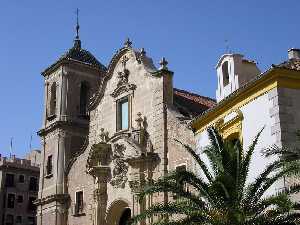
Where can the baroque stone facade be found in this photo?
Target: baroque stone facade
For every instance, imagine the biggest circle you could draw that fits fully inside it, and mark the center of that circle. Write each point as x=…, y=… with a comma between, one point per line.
x=107, y=132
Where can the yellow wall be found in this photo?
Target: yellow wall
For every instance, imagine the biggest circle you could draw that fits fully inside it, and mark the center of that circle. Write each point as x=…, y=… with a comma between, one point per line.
x=273, y=78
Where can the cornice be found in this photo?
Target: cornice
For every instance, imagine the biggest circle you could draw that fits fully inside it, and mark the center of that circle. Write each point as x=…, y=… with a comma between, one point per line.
x=60, y=124
x=272, y=78
x=63, y=198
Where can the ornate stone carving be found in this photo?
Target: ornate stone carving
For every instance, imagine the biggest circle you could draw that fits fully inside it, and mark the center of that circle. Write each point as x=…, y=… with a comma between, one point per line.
x=123, y=77
x=119, y=172
x=98, y=160
x=139, y=120
x=123, y=89
x=104, y=135
x=123, y=85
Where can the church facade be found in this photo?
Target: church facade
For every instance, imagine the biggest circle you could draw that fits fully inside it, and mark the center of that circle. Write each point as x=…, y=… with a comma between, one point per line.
x=108, y=131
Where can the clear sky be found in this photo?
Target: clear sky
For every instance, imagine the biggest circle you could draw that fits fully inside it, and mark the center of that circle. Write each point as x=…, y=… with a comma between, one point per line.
x=190, y=34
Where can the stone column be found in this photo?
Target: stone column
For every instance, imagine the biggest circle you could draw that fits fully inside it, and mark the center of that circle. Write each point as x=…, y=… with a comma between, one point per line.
x=60, y=163
x=100, y=194
x=97, y=166
x=64, y=95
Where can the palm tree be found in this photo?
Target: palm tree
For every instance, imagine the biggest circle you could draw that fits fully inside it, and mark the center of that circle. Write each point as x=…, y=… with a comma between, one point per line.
x=222, y=194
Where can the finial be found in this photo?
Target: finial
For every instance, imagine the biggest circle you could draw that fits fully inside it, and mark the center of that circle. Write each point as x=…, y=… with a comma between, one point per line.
x=142, y=51
x=127, y=43
x=227, y=49
x=163, y=64
x=77, y=24
x=77, y=42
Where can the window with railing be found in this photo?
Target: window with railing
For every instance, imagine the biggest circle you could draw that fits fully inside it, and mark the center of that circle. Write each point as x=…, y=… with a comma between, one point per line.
x=11, y=201
x=9, y=180
x=9, y=219
x=21, y=178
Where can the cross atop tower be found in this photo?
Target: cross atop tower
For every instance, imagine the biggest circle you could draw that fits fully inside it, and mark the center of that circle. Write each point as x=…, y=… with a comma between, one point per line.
x=77, y=42
x=77, y=23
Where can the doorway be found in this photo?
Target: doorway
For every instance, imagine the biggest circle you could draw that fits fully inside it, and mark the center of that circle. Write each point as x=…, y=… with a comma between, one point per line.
x=125, y=216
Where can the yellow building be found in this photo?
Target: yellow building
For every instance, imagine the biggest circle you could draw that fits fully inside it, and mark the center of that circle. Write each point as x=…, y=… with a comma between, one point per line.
x=248, y=100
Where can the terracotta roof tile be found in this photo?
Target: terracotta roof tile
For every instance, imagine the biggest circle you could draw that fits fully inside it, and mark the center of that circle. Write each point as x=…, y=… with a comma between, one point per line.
x=293, y=64
x=191, y=104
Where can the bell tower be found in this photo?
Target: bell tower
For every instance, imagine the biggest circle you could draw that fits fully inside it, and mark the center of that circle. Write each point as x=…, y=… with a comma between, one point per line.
x=69, y=84
x=233, y=72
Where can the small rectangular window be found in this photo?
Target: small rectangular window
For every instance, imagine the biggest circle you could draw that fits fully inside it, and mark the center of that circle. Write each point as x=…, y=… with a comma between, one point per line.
x=49, y=165
x=10, y=180
x=9, y=220
x=21, y=178
x=123, y=114
x=79, y=202
x=31, y=205
x=10, y=201
x=19, y=220
x=20, y=199
x=33, y=184
x=31, y=220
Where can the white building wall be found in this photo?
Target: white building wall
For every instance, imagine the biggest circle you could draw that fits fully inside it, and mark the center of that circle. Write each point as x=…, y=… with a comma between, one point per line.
x=256, y=116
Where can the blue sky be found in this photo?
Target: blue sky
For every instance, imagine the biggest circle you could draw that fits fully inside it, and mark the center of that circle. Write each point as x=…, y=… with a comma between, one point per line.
x=190, y=34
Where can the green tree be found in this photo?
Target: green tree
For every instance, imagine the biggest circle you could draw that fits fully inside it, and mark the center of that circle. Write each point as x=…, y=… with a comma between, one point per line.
x=222, y=195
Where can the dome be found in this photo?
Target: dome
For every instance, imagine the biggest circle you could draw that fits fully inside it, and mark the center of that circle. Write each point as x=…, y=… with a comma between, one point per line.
x=77, y=54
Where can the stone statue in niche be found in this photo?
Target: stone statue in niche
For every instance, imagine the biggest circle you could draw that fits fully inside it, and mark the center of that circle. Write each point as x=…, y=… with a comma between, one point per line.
x=119, y=173
x=123, y=85
x=103, y=135
x=123, y=75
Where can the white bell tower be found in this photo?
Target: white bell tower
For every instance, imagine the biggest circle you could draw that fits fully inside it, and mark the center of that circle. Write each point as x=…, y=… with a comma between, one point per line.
x=233, y=71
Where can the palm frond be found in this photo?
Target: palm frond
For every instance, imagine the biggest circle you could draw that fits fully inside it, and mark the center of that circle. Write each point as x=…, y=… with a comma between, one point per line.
x=198, y=160
x=247, y=160
x=173, y=188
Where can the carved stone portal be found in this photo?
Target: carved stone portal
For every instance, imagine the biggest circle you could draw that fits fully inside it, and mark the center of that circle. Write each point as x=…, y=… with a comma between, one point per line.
x=119, y=173
x=97, y=166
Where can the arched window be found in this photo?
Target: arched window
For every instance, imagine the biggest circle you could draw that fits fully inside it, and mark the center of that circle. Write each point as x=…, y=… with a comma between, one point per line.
x=53, y=99
x=84, y=95
x=225, y=72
